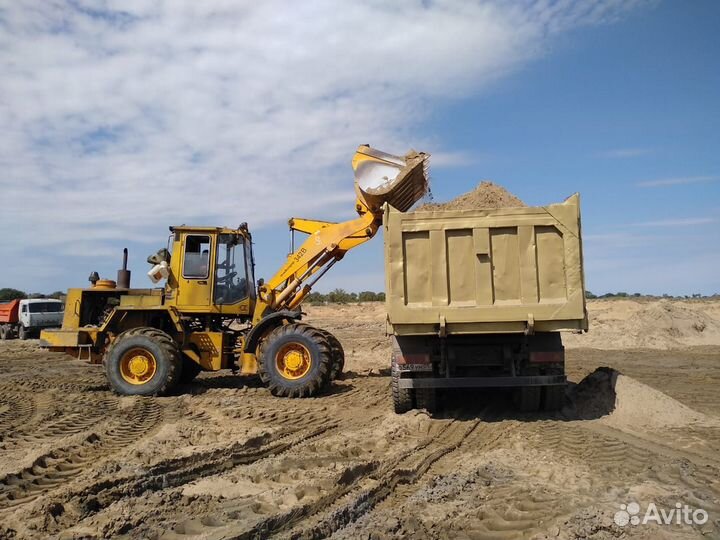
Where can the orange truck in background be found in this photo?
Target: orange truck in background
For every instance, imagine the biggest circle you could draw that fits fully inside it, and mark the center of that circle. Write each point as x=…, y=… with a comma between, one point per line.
x=23, y=319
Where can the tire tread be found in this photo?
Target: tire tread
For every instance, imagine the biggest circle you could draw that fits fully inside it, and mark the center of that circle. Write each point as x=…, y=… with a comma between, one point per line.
x=314, y=385
x=166, y=343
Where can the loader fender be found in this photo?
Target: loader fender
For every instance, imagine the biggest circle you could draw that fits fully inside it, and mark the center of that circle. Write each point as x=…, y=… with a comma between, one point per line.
x=267, y=324
x=114, y=320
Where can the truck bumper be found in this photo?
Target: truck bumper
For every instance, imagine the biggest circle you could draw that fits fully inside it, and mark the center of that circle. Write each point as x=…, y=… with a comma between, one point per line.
x=483, y=382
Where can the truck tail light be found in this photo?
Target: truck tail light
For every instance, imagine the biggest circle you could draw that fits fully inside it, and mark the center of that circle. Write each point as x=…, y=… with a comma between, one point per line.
x=414, y=359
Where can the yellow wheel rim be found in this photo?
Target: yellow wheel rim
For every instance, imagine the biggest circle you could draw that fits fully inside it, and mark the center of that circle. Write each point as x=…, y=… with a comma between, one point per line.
x=293, y=361
x=138, y=366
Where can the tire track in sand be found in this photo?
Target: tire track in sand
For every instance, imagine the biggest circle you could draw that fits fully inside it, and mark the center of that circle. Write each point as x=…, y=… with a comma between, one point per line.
x=407, y=469
x=306, y=422
x=16, y=410
x=347, y=501
x=70, y=423
x=297, y=427
x=62, y=465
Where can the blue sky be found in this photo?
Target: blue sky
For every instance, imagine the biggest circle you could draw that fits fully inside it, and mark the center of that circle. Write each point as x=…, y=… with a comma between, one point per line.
x=123, y=119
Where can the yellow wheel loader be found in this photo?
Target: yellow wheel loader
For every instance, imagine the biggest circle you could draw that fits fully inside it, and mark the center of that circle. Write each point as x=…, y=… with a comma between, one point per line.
x=209, y=315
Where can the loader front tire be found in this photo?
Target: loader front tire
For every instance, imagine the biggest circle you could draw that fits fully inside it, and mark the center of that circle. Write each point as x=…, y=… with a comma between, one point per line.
x=295, y=361
x=143, y=362
x=338, y=355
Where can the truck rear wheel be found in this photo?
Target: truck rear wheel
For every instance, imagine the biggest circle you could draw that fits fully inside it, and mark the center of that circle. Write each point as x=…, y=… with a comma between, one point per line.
x=295, y=361
x=427, y=398
x=527, y=398
x=553, y=397
x=3, y=332
x=143, y=362
x=402, y=397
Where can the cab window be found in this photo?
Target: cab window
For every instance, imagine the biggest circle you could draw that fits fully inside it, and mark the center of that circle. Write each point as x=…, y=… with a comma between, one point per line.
x=46, y=307
x=197, y=257
x=230, y=273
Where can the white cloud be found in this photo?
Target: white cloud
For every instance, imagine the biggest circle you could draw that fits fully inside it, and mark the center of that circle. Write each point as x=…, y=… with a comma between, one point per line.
x=678, y=181
x=124, y=116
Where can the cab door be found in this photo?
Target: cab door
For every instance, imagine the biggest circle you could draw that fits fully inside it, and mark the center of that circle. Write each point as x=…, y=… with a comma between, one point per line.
x=194, y=281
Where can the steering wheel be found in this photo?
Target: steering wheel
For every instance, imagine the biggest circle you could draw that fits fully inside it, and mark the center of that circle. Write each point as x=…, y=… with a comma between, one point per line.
x=227, y=278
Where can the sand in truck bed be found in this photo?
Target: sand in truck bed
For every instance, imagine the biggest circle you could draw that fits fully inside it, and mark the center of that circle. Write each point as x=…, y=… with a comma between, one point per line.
x=485, y=195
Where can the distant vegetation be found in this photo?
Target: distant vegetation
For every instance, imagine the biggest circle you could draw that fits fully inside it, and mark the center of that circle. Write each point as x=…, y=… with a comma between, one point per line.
x=341, y=296
x=591, y=296
x=6, y=295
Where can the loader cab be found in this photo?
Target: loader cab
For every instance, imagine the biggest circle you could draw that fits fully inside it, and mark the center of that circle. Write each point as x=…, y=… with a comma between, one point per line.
x=211, y=271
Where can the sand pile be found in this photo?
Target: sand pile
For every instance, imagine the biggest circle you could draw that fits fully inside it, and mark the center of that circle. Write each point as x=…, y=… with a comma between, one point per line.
x=664, y=324
x=485, y=195
x=626, y=403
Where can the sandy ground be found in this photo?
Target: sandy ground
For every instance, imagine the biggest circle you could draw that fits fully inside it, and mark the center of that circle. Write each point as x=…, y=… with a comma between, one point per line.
x=223, y=459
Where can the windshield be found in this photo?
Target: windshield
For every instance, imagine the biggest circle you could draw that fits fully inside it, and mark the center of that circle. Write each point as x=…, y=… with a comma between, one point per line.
x=230, y=276
x=46, y=307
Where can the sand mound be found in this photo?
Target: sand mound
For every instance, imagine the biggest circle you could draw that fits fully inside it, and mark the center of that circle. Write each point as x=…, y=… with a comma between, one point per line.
x=626, y=403
x=485, y=195
x=664, y=324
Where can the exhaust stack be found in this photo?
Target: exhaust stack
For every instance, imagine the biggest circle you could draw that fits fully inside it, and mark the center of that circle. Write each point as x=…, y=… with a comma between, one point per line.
x=123, y=275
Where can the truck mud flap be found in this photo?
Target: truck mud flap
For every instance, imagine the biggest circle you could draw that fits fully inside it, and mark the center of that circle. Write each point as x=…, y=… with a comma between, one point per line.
x=484, y=382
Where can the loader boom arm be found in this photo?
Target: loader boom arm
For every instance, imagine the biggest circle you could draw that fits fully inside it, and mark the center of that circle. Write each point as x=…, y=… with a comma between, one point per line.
x=379, y=178
x=326, y=244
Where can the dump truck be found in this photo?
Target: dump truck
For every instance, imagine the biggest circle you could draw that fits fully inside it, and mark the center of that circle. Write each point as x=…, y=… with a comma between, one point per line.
x=25, y=318
x=210, y=314
x=478, y=298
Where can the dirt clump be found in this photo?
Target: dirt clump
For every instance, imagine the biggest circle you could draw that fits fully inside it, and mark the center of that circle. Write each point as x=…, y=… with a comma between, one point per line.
x=485, y=195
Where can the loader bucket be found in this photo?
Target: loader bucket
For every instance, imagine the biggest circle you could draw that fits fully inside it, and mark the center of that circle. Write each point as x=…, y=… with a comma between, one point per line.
x=384, y=178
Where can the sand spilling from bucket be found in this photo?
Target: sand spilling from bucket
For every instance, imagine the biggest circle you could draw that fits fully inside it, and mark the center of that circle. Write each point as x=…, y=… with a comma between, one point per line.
x=485, y=195
x=626, y=403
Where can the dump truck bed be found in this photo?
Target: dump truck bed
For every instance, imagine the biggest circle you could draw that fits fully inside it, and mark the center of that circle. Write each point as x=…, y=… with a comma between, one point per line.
x=486, y=270
x=9, y=312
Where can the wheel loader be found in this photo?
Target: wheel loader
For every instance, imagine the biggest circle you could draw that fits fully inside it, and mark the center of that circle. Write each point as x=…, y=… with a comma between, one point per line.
x=211, y=315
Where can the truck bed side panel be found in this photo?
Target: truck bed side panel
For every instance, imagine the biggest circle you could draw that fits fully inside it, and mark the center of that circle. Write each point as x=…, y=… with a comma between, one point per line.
x=486, y=270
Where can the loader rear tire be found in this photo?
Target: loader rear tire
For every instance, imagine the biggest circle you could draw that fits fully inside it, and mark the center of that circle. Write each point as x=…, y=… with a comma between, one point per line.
x=143, y=361
x=295, y=361
x=402, y=397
